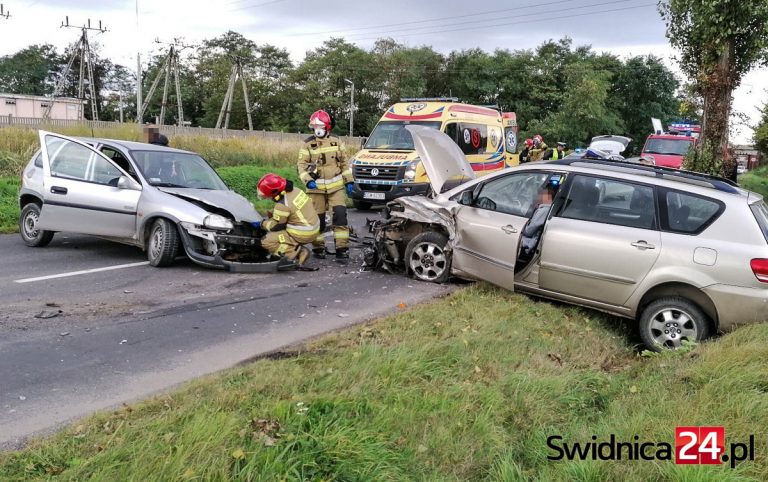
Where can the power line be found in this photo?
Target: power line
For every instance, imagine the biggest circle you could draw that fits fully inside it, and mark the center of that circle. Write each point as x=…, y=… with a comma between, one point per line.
x=452, y=17
x=6, y=14
x=517, y=23
x=255, y=5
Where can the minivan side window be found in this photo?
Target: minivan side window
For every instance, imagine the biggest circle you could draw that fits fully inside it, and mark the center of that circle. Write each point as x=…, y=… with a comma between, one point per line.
x=687, y=213
x=610, y=201
x=471, y=138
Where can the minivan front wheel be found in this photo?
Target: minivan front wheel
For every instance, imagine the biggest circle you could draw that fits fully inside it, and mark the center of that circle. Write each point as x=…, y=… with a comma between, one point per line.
x=163, y=243
x=667, y=322
x=30, y=233
x=426, y=257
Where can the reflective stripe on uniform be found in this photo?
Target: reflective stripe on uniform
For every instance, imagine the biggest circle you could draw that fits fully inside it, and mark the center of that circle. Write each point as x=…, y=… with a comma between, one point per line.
x=304, y=228
x=340, y=234
x=329, y=181
x=283, y=244
x=324, y=150
x=277, y=213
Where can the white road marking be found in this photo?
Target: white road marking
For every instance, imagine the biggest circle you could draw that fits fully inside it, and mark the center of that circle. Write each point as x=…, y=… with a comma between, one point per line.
x=77, y=273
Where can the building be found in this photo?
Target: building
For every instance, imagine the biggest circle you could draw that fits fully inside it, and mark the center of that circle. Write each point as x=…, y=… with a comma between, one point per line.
x=33, y=106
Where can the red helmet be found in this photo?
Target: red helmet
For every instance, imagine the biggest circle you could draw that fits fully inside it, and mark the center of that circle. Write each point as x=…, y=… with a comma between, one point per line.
x=529, y=143
x=320, y=119
x=271, y=185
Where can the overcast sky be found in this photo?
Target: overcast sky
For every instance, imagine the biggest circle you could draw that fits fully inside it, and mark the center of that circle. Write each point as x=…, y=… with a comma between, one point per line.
x=623, y=27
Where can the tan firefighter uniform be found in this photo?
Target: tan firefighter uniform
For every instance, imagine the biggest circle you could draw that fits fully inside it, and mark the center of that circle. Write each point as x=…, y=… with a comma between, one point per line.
x=294, y=222
x=323, y=161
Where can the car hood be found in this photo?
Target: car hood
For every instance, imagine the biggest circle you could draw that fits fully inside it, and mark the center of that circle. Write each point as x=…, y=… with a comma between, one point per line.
x=442, y=159
x=238, y=206
x=610, y=144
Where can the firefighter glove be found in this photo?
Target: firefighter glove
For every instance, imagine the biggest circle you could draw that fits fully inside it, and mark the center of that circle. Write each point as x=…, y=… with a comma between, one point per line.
x=312, y=185
x=350, y=188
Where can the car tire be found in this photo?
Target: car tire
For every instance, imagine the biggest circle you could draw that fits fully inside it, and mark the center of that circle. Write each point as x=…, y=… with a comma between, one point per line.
x=163, y=243
x=426, y=258
x=666, y=322
x=36, y=238
x=361, y=205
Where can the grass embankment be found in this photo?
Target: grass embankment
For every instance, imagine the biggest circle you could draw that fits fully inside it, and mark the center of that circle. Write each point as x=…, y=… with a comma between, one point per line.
x=240, y=161
x=756, y=180
x=465, y=388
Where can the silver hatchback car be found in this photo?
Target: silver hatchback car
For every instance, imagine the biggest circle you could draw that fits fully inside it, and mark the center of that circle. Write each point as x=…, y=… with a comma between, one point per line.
x=684, y=254
x=160, y=199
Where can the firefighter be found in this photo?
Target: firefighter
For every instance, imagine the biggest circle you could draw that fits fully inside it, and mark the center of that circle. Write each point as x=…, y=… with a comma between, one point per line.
x=328, y=177
x=293, y=222
x=525, y=154
x=539, y=148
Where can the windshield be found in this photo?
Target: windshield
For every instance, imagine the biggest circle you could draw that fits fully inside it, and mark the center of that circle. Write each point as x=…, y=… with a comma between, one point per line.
x=677, y=147
x=177, y=169
x=393, y=135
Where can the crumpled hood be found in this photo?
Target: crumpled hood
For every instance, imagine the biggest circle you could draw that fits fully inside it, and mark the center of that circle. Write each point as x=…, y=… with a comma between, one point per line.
x=230, y=201
x=441, y=157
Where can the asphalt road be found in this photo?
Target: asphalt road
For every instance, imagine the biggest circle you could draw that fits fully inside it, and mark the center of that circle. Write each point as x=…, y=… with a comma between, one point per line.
x=74, y=344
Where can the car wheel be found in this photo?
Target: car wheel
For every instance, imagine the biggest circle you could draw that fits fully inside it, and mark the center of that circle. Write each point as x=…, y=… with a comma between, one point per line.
x=163, y=243
x=31, y=235
x=361, y=205
x=667, y=322
x=426, y=257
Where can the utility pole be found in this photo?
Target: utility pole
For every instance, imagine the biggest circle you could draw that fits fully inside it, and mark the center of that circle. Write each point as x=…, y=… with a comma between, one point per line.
x=5, y=14
x=139, y=103
x=81, y=49
x=226, y=106
x=170, y=67
x=351, y=107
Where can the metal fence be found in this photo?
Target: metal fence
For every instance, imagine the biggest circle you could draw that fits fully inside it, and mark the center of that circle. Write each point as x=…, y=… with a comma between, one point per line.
x=170, y=131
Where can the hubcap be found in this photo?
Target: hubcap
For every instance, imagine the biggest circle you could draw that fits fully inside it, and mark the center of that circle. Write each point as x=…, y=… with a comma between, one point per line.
x=670, y=326
x=428, y=261
x=156, y=243
x=30, y=224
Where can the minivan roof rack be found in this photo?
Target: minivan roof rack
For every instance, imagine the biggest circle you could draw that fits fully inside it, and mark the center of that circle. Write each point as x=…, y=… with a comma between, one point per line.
x=668, y=173
x=429, y=99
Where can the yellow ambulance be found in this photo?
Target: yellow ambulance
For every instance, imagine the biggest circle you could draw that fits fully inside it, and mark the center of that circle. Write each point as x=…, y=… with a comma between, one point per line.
x=388, y=167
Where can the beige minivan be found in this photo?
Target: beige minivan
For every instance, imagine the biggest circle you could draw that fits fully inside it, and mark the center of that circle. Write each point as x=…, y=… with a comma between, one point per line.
x=684, y=254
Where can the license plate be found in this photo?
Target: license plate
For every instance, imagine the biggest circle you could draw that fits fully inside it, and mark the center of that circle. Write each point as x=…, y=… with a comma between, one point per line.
x=374, y=195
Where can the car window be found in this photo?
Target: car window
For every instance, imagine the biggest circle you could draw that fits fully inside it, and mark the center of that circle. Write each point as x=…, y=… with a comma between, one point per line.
x=119, y=159
x=471, y=138
x=688, y=213
x=394, y=136
x=760, y=210
x=39, y=159
x=610, y=201
x=168, y=168
x=73, y=161
x=514, y=194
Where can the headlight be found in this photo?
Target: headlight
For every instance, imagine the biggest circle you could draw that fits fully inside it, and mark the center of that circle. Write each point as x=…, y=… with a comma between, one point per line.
x=215, y=221
x=410, y=169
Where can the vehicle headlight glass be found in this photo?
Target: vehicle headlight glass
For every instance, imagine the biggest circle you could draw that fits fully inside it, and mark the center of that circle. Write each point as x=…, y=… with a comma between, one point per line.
x=410, y=169
x=215, y=221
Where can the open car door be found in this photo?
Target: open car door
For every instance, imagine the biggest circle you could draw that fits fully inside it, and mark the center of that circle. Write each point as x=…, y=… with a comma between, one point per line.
x=84, y=191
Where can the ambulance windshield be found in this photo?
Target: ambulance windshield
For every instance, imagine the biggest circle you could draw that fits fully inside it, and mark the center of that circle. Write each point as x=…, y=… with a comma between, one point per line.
x=392, y=135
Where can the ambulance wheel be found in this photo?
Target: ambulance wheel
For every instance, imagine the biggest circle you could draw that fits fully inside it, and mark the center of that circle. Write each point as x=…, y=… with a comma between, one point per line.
x=361, y=205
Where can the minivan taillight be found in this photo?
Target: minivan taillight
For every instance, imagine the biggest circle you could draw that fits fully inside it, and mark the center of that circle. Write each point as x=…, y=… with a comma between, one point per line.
x=760, y=268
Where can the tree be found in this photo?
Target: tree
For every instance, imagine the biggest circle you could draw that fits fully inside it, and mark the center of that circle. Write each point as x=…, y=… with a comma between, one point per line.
x=30, y=71
x=761, y=132
x=719, y=42
x=644, y=88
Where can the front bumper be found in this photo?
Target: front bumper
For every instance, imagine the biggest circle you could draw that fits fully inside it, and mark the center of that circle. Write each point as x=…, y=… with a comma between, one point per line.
x=218, y=262
x=737, y=305
x=383, y=193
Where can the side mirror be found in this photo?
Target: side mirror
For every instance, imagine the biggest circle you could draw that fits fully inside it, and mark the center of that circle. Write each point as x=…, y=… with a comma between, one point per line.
x=363, y=140
x=124, y=182
x=466, y=198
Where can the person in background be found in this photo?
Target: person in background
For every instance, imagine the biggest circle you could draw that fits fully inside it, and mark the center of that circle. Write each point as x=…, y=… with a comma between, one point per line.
x=526, y=152
x=539, y=148
x=556, y=153
x=328, y=177
x=159, y=140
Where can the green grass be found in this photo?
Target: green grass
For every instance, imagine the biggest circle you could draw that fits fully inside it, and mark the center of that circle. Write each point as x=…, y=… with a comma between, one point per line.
x=9, y=205
x=756, y=180
x=464, y=388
